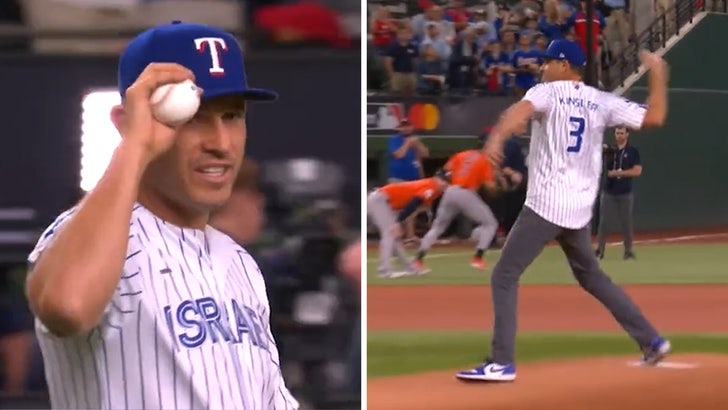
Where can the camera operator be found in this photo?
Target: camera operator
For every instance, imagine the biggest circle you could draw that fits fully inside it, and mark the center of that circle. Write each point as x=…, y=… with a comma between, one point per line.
x=243, y=215
x=623, y=164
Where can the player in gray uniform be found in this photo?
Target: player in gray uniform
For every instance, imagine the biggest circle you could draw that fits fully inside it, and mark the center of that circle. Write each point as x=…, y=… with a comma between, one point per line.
x=565, y=166
x=390, y=206
x=471, y=170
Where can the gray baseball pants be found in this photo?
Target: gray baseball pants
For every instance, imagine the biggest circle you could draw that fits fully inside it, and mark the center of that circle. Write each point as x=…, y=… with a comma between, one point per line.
x=621, y=205
x=457, y=200
x=524, y=243
x=385, y=218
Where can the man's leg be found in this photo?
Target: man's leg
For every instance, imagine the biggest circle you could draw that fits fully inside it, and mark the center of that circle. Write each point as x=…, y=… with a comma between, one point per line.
x=476, y=210
x=624, y=209
x=576, y=244
x=383, y=217
x=605, y=201
x=446, y=211
x=524, y=243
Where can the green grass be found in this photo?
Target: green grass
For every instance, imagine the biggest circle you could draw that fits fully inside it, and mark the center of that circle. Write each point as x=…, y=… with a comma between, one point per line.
x=393, y=353
x=656, y=263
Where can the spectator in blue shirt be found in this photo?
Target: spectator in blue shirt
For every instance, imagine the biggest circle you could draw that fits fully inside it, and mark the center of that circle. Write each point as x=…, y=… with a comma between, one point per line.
x=526, y=63
x=495, y=66
x=551, y=23
x=405, y=153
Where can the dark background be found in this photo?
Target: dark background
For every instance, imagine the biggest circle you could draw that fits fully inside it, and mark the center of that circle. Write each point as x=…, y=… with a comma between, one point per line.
x=42, y=127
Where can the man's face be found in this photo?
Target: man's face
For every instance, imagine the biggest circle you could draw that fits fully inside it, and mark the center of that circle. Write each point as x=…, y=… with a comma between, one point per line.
x=406, y=130
x=404, y=35
x=198, y=172
x=509, y=37
x=524, y=40
x=620, y=135
x=433, y=32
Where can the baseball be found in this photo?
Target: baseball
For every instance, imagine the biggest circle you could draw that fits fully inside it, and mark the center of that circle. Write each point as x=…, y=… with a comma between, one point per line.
x=175, y=104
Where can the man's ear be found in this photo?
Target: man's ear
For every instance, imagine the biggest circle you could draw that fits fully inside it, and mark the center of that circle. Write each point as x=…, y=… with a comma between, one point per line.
x=118, y=118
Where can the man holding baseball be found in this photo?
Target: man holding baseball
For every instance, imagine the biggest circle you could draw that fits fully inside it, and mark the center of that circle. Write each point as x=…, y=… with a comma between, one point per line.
x=139, y=303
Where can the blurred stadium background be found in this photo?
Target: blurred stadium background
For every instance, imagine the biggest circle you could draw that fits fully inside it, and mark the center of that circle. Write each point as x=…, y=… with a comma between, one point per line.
x=58, y=59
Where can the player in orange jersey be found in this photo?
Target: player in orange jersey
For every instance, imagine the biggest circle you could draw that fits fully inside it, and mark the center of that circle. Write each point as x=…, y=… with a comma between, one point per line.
x=470, y=170
x=391, y=205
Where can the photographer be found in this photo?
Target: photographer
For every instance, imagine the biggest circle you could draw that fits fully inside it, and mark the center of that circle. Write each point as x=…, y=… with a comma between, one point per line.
x=623, y=164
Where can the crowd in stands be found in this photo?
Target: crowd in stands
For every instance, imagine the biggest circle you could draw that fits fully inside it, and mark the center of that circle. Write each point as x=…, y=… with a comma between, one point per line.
x=493, y=49
x=266, y=23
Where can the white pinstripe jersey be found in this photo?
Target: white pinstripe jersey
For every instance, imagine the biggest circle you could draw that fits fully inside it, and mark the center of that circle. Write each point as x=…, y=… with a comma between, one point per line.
x=188, y=327
x=565, y=155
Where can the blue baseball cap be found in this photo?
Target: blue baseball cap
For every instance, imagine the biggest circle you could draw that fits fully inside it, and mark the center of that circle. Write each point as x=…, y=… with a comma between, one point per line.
x=565, y=50
x=214, y=56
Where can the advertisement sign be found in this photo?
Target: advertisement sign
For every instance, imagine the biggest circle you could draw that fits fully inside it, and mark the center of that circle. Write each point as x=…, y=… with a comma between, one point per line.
x=457, y=116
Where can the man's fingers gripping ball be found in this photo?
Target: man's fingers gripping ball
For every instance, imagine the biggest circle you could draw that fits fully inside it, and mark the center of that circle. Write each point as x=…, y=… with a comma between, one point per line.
x=155, y=76
x=175, y=104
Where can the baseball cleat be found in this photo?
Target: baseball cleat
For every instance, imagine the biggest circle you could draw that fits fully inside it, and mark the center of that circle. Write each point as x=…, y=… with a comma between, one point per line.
x=478, y=263
x=489, y=371
x=655, y=351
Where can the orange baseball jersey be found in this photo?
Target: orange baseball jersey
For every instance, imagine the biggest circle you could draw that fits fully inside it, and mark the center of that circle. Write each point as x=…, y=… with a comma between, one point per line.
x=470, y=169
x=401, y=193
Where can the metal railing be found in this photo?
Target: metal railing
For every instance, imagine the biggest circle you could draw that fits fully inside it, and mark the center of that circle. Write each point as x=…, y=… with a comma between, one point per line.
x=656, y=36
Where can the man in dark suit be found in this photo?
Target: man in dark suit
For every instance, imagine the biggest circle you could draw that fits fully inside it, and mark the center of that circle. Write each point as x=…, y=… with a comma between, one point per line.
x=623, y=165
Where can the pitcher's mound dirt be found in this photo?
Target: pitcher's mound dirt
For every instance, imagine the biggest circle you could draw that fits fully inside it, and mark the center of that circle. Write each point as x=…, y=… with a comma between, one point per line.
x=605, y=383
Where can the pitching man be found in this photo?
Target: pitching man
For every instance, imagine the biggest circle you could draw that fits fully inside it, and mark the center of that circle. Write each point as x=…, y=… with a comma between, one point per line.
x=139, y=303
x=389, y=208
x=565, y=164
x=470, y=170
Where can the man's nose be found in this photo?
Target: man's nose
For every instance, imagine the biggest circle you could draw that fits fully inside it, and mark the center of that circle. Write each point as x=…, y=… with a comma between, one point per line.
x=219, y=140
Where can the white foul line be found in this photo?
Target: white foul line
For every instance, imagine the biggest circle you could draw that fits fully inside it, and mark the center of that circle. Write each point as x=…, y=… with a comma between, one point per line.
x=671, y=239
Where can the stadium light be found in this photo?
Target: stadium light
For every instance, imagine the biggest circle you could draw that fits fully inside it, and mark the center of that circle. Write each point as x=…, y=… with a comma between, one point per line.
x=99, y=137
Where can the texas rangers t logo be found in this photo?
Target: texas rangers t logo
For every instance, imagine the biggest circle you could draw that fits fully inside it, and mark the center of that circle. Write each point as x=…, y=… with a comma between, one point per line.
x=211, y=44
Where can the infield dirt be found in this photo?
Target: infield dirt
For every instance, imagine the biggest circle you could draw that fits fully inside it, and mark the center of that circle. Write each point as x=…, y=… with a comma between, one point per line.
x=593, y=383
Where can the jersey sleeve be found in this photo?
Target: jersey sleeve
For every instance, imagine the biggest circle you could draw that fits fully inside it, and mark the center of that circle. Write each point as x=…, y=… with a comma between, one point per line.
x=48, y=235
x=117, y=307
x=540, y=96
x=622, y=112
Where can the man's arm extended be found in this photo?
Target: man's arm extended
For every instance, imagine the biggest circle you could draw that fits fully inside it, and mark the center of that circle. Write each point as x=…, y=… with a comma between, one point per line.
x=74, y=278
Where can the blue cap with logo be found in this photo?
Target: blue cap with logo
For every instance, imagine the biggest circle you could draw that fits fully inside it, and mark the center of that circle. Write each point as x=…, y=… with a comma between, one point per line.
x=213, y=55
x=566, y=50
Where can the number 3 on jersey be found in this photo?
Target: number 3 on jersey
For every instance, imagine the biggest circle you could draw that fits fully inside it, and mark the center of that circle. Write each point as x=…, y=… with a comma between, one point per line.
x=577, y=124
